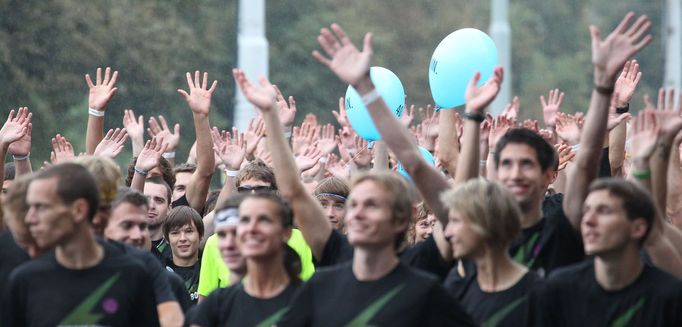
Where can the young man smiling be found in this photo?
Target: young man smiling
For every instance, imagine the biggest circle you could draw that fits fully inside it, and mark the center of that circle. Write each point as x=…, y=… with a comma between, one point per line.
x=184, y=229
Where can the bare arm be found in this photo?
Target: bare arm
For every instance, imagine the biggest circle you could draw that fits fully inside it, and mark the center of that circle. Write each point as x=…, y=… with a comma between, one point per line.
x=199, y=101
x=448, y=141
x=309, y=215
x=21, y=149
x=608, y=57
x=100, y=93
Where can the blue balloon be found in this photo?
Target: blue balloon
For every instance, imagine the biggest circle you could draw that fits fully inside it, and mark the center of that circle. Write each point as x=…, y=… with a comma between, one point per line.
x=425, y=154
x=454, y=62
x=391, y=90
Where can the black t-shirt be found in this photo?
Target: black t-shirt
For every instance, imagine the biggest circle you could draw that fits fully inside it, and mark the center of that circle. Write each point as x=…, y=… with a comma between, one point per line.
x=162, y=250
x=11, y=256
x=404, y=297
x=181, y=201
x=232, y=306
x=549, y=244
x=189, y=276
x=162, y=290
x=115, y=292
x=177, y=285
x=503, y=308
x=572, y=297
x=423, y=255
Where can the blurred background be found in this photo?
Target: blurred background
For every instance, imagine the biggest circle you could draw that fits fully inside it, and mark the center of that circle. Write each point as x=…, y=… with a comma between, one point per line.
x=46, y=47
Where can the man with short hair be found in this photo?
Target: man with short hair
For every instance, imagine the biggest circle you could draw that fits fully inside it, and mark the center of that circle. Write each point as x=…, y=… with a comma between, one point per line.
x=616, y=288
x=158, y=193
x=183, y=175
x=104, y=286
x=183, y=229
x=7, y=181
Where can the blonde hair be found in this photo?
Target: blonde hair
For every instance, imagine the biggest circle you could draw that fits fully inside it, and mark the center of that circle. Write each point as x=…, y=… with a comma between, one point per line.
x=492, y=210
x=107, y=175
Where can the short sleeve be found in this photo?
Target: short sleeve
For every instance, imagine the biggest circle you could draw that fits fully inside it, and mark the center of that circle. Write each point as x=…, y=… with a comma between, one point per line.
x=297, y=242
x=336, y=250
x=300, y=310
x=206, y=313
x=209, y=278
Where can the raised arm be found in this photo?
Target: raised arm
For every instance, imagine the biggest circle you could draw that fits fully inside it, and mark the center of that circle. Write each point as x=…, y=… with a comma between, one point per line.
x=21, y=149
x=135, y=129
x=14, y=129
x=608, y=57
x=199, y=101
x=172, y=138
x=448, y=140
x=308, y=213
x=99, y=96
x=624, y=89
x=146, y=161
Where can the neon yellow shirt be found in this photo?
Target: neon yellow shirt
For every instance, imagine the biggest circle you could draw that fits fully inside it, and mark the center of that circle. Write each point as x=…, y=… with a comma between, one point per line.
x=214, y=272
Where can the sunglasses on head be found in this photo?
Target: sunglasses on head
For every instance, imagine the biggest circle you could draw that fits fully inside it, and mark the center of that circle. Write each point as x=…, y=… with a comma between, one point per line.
x=259, y=188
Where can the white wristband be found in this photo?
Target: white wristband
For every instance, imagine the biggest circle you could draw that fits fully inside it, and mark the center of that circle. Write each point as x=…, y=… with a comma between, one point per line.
x=370, y=97
x=323, y=159
x=21, y=158
x=231, y=173
x=484, y=162
x=287, y=133
x=169, y=155
x=575, y=147
x=95, y=112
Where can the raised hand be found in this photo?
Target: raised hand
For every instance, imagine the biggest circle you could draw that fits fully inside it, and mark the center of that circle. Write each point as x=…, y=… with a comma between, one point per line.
x=102, y=90
x=645, y=136
x=341, y=116
x=338, y=168
x=531, y=124
x=303, y=137
x=551, y=106
x=627, y=83
x=22, y=146
x=162, y=130
x=668, y=114
x=342, y=57
x=199, y=97
x=429, y=122
x=16, y=126
x=568, y=128
x=112, y=144
x=511, y=111
x=254, y=133
x=151, y=154
x=62, y=150
x=231, y=149
x=501, y=125
x=287, y=111
x=615, y=118
x=408, y=116
x=610, y=54
x=264, y=96
x=478, y=98
x=308, y=158
x=363, y=156
x=327, y=143
x=565, y=155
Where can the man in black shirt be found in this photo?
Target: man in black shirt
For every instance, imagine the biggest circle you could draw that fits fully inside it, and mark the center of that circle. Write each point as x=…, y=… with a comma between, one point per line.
x=615, y=288
x=184, y=229
x=104, y=286
x=158, y=193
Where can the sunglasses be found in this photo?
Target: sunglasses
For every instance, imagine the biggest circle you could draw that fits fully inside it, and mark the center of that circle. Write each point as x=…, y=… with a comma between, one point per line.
x=254, y=189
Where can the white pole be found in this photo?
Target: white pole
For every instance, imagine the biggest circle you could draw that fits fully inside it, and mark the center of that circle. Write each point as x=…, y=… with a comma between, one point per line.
x=673, y=44
x=500, y=32
x=252, y=54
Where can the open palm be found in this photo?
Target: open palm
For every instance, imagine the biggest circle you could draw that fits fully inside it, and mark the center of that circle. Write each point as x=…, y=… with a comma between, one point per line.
x=342, y=57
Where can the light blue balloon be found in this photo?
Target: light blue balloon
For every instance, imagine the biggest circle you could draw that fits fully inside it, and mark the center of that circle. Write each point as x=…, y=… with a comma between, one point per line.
x=425, y=154
x=391, y=89
x=454, y=62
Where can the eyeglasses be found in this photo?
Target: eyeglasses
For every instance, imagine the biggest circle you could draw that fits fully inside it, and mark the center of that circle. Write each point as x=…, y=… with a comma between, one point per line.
x=254, y=189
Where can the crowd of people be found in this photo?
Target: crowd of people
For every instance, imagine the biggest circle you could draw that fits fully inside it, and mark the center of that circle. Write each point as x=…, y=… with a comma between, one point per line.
x=576, y=223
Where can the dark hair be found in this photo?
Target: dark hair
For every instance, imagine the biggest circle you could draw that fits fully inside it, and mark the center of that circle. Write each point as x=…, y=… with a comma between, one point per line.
x=637, y=201
x=9, y=171
x=130, y=196
x=285, y=212
x=73, y=182
x=164, y=165
x=211, y=201
x=158, y=180
x=181, y=216
x=292, y=263
x=184, y=168
x=546, y=154
x=259, y=170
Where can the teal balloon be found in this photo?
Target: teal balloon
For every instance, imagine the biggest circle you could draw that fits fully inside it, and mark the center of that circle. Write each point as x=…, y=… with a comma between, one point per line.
x=454, y=62
x=391, y=89
x=425, y=154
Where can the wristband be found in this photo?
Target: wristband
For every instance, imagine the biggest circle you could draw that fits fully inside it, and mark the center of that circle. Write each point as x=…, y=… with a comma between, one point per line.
x=168, y=155
x=478, y=117
x=140, y=171
x=484, y=162
x=95, y=112
x=575, y=147
x=231, y=173
x=287, y=133
x=622, y=110
x=605, y=90
x=370, y=97
x=641, y=174
x=21, y=158
x=323, y=159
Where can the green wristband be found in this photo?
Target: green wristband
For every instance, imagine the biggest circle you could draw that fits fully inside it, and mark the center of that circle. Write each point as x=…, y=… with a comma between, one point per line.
x=641, y=174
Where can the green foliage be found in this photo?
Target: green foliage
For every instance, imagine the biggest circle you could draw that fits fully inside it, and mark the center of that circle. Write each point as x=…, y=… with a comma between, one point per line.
x=47, y=46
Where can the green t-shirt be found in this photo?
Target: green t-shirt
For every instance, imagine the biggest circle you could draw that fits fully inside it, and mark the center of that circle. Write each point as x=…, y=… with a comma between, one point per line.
x=214, y=272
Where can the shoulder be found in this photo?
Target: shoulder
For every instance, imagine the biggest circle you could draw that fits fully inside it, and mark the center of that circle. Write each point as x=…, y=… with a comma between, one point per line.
x=31, y=269
x=661, y=281
x=575, y=272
